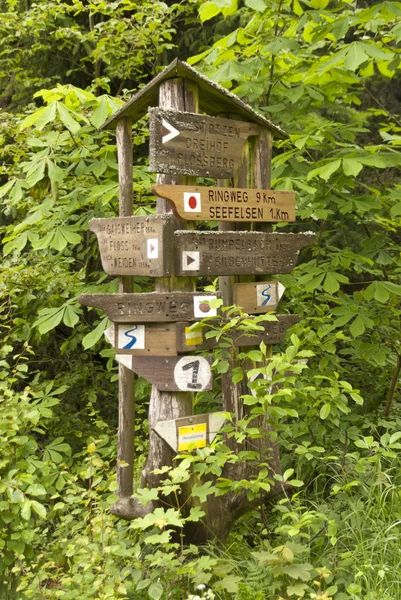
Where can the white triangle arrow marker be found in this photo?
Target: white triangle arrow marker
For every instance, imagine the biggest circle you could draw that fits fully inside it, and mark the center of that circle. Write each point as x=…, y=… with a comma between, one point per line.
x=173, y=132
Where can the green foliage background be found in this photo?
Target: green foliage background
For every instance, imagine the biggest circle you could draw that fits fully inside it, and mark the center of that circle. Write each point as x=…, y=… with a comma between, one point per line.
x=328, y=72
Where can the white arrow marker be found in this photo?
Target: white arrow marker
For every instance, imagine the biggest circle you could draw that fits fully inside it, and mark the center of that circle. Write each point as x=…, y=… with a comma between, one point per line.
x=173, y=132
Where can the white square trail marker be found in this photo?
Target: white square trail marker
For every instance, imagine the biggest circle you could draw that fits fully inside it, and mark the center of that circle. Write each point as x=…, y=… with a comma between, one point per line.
x=131, y=337
x=192, y=202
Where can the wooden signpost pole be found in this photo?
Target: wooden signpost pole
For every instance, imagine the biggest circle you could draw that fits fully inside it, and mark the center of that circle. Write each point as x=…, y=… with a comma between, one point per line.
x=126, y=397
x=181, y=95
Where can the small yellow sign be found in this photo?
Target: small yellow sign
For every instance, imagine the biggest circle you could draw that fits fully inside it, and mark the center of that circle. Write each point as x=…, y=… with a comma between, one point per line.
x=192, y=435
x=192, y=338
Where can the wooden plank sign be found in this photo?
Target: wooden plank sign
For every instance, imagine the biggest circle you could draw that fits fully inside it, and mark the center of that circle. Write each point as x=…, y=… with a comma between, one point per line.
x=258, y=297
x=273, y=333
x=143, y=340
x=213, y=253
x=184, y=143
x=196, y=431
x=196, y=203
x=134, y=245
x=153, y=307
x=172, y=374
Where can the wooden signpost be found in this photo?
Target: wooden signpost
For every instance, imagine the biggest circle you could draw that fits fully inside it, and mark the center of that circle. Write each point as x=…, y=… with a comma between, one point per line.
x=196, y=203
x=150, y=330
x=134, y=245
x=192, y=338
x=258, y=297
x=191, y=144
x=153, y=307
x=213, y=253
x=172, y=374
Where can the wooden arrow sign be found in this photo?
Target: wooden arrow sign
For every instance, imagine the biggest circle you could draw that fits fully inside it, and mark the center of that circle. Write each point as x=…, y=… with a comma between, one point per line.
x=273, y=333
x=196, y=431
x=192, y=144
x=153, y=307
x=143, y=340
x=134, y=245
x=214, y=253
x=196, y=203
x=172, y=373
x=258, y=297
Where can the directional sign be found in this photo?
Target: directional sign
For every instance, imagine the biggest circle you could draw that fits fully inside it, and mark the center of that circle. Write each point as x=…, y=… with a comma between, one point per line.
x=196, y=431
x=273, y=333
x=153, y=307
x=195, y=203
x=192, y=144
x=143, y=340
x=134, y=245
x=172, y=373
x=237, y=252
x=258, y=297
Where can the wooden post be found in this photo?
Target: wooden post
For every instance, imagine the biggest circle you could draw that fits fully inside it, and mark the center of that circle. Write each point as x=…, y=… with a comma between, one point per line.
x=126, y=377
x=181, y=95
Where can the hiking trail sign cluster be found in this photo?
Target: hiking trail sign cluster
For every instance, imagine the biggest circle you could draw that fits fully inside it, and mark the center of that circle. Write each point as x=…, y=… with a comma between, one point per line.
x=156, y=334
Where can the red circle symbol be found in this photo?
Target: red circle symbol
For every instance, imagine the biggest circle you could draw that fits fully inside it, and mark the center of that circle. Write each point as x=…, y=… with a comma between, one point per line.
x=192, y=202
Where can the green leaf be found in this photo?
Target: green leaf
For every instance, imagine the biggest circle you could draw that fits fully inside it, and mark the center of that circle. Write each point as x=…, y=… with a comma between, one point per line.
x=36, y=490
x=326, y=171
x=208, y=10
x=55, y=172
x=155, y=591
x=354, y=588
x=39, y=509
x=357, y=326
x=49, y=318
x=351, y=167
x=41, y=117
x=70, y=317
x=203, y=491
x=258, y=5
x=17, y=244
x=26, y=509
x=355, y=56
x=377, y=291
x=66, y=117
x=94, y=336
x=298, y=589
x=325, y=411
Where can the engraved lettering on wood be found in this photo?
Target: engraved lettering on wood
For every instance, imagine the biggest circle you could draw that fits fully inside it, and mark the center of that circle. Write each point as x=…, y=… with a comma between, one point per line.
x=152, y=307
x=191, y=144
x=197, y=203
x=215, y=253
x=273, y=333
x=134, y=245
x=163, y=373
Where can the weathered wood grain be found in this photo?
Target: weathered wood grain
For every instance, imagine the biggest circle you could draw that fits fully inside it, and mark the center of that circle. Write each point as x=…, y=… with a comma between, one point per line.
x=191, y=144
x=213, y=99
x=166, y=372
x=196, y=203
x=273, y=333
x=152, y=307
x=134, y=245
x=213, y=253
x=258, y=297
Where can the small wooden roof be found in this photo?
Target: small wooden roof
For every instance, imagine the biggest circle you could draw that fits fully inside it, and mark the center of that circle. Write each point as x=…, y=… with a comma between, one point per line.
x=213, y=99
